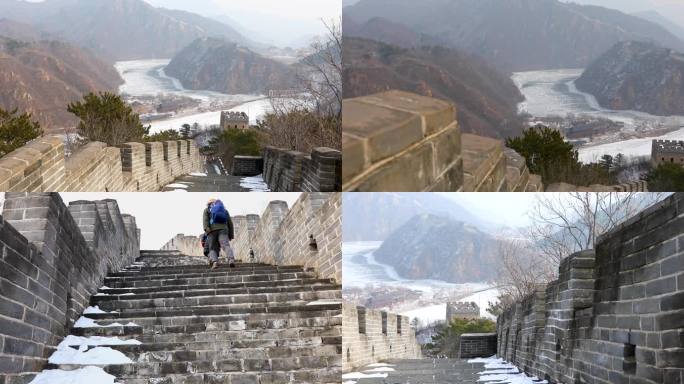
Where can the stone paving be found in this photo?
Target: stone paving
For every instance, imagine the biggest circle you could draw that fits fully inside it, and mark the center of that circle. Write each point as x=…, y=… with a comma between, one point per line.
x=213, y=181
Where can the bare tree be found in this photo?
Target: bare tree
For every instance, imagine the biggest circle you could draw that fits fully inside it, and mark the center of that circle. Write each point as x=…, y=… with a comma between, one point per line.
x=564, y=223
x=523, y=269
x=312, y=118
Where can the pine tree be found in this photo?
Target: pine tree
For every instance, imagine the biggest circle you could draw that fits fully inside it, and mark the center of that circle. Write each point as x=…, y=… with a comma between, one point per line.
x=16, y=130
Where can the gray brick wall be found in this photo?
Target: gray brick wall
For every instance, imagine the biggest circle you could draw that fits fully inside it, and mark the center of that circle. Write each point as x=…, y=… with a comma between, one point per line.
x=477, y=345
x=364, y=342
x=292, y=171
x=53, y=259
x=615, y=315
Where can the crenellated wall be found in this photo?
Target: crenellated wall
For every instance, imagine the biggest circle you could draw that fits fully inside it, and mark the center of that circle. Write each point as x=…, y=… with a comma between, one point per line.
x=282, y=235
x=615, y=315
x=186, y=245
x=53, y=259
x=41, y=165
x=366, y=341
x=390, y=135
x=292, y=171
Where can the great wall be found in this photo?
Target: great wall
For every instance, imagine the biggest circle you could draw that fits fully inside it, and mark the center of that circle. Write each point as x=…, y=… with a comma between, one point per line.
x=614, y=315
x=273, y=319
x=389, y=135
x=42, y=166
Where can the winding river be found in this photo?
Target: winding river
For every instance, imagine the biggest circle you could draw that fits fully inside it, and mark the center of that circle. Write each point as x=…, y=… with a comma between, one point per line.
x=553, y=93
x=144, y=78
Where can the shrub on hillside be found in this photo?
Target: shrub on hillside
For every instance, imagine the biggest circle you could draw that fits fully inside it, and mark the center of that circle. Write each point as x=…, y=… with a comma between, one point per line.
x=16, y=130
x=107, y=118
x=666, y=178
x=236, y=142
x=548, y=154
x=446, y=342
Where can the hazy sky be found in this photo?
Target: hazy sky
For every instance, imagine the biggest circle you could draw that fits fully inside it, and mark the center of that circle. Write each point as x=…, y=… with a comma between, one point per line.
x=161, y=216
x=283, y=22
x=509, y=209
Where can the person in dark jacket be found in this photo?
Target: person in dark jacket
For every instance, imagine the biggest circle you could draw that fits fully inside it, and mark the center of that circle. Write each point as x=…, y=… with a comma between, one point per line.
x=219, y=236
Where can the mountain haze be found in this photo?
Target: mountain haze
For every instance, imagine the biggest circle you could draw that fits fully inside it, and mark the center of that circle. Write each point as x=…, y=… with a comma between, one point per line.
x=118, y=29
x=440, y=248
x=486, y=99
x=518, y=35
x=374, y=216
x=43, y=77
x=223, y=66
x=637, y=76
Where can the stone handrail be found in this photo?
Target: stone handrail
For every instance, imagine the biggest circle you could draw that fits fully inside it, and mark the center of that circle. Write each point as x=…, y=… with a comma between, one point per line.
x=41, y=166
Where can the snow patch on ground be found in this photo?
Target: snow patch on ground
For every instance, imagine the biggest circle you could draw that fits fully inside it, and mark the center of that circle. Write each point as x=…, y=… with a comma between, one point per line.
x=254, y=184
x=84, y=322
x=177, y=185
x=72, y=341
x=500, y=372
x=90, y=375
x=360, y=375
x=85, y=356
x=324, y=302
x=198, y=174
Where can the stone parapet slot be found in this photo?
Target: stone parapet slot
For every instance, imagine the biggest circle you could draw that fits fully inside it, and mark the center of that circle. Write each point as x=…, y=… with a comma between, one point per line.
x=41, y=166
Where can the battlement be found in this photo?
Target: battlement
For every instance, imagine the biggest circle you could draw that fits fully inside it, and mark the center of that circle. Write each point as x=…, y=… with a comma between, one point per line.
x=41, y=165
x=667, y=152
x=614, y=313
x=231, y=119
x=55, y=257
x=283, y=235
x=462, y=310
x=370, y=336
x=390, y=135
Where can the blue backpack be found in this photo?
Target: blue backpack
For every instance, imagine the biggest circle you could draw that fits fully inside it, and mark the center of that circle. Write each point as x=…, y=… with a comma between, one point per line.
x=218, y=213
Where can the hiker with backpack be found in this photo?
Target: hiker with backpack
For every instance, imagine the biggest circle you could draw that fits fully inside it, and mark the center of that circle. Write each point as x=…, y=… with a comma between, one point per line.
x=219, y=230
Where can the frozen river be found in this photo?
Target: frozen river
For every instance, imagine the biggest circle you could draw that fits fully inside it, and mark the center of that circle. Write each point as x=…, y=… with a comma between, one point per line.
x=360, y=269
x=553, y=93
x=147, y=78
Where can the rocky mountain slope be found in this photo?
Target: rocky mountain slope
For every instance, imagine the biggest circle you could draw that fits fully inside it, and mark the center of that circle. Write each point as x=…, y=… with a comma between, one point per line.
x=440, y=248
x=374, y=216
x=637, y=76
x=486, y=99
x=223, y=66
x=118, y=29
x=517, y=35
x=43, y=77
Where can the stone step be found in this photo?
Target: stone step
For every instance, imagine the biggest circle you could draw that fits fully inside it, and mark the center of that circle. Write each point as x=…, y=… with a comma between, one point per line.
x=244, y=336
x=143, y=369
x=300, y=376
x=197, y=315
x=193, y=291
x=194, y=352
x=204, y=267
x=217, y=279
x=246, y=285
x=132, y=302
x=204, y=272
x=195, y=324
x=210, y=344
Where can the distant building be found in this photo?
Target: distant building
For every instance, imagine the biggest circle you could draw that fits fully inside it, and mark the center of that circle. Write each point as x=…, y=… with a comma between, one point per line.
x=239, y=120
x=667, y=152
x=466, y=311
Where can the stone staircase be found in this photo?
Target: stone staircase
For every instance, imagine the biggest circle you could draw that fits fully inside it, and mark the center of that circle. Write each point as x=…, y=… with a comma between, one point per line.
x=255, y=323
